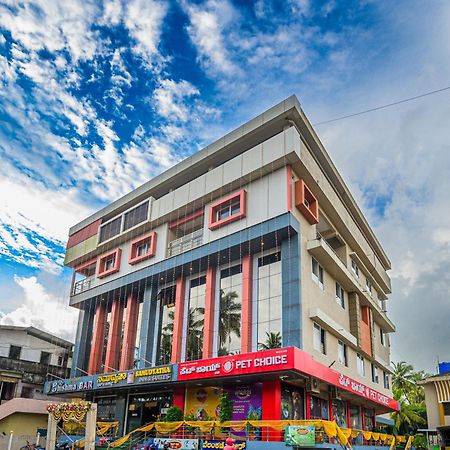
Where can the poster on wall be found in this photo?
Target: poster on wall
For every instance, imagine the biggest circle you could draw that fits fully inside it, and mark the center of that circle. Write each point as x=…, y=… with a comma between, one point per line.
x=176, y=444
x=202, y=403
x=247, y=401
x=292, y=403
x=300, y=436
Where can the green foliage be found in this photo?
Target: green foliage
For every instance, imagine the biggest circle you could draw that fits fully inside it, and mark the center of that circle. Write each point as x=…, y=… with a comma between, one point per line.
x=273, y=340
x=174, y=414
x=410, y=396
x=226, y=408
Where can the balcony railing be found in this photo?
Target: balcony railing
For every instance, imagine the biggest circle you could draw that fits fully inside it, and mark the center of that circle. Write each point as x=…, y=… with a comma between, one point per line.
x=184, y=243
x=321, y=238
x=82, y=285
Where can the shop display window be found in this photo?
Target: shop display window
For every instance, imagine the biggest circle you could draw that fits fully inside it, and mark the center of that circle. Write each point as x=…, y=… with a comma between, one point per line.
x=369, y=419
x=339, y=408
x=145, y=408
x=106, y=409
x=292, y=402
x=318, y=408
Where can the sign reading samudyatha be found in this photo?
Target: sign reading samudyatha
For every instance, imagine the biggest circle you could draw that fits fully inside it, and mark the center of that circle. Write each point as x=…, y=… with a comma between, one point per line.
x=116, y=379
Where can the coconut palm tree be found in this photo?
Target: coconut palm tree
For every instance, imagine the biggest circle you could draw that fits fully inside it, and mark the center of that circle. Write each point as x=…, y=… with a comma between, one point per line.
x=229, y=319
x=408, y=418
x=402, y=378
x=273, y=340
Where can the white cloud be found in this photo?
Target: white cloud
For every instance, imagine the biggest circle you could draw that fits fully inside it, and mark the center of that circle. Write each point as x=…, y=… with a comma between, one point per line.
x=170, y=97
x=42, y=310
x=144, y=19
x=207, y=30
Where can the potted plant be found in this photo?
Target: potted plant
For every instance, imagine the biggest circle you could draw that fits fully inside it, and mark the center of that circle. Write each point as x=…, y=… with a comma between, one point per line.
x=174, y=414
x=190, y=430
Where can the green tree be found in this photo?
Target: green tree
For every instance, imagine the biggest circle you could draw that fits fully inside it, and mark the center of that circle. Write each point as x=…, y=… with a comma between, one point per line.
x=273, y=340
x=229, y=319
x=408, y=418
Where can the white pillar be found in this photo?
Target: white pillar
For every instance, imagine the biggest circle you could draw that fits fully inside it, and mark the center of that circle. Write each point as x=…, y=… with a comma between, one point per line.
x=37, y=439
x=10, y=440
x=51, y=433
x=91, y=428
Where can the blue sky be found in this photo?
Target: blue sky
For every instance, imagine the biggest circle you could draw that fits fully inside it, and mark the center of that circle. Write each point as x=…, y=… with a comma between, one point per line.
x=98, y=97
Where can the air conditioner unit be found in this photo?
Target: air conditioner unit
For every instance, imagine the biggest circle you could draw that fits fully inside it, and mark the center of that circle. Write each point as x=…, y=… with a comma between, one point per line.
x=335, y=393
x=313, y=385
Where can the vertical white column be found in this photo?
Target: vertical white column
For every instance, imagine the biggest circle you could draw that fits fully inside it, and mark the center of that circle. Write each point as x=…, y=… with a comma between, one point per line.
x=51, y=433
x=91, y=427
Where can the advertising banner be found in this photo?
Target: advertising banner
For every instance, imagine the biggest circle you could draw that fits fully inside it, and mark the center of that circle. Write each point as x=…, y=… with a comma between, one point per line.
x=301, y=436
x=108, y=380
x=217, y=444
x=203, y=402
x=247, y=401
x=245, y=364
x=176, y=444
x=292, y=403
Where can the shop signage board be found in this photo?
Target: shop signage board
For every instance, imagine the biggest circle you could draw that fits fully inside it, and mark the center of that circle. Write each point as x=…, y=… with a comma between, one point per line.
x=303, y=436
x=247, y=363
x=177, y=444
x=127, y=378
x=215, y=444
x=278, y=360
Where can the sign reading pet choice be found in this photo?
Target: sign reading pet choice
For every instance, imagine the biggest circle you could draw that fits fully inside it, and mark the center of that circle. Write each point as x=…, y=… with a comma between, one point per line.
x=108, y=380
x=257, y=362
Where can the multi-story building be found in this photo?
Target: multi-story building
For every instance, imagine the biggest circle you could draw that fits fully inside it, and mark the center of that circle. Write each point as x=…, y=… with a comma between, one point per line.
x=248, y=267
x=28, y=357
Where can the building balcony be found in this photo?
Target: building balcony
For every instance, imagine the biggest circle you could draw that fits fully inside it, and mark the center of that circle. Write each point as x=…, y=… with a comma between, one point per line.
x=32, y=372
x=82, y=285
x=185, y=243
x=333, y=264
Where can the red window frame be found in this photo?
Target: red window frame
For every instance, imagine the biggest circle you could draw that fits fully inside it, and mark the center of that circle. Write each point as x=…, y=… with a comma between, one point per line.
x=306, y=202
x=151, y=238
x=215, y=207
x=101, y=272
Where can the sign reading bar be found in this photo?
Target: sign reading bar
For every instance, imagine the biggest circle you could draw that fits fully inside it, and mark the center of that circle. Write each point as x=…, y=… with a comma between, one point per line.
x=108, y=380
x=248, y=363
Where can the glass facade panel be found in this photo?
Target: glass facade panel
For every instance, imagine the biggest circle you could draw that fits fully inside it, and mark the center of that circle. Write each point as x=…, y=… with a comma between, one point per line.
x=195, y=319
x=340, y=412
x=318, y=408
x=135, y=216
x=110, y=230
x=230, y=306
x=166, y=297
x=268, y=314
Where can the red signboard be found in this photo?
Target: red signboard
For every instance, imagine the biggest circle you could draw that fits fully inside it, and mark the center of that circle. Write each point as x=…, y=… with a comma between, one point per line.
x=247, y=363
x=278, y=360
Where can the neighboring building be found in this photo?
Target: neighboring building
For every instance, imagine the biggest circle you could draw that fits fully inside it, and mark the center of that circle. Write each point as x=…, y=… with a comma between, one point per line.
x=28, y=358
x=437, y=399
x=253, y=242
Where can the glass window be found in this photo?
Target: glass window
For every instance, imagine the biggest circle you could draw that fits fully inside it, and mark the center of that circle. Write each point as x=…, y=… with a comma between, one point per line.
x=355, y=417
x=342, y=353
x=195, y=319
x=230, y=306
x=106, y=409
x=382, y=338
x=14, y=352
x=318, y=408
x=374, y=373
x=167, y=298
x=45, y=358
x=446, y=406
x=369, y=286
x=268, y=314
x=386, y=380
x=340, y=295
x=110, y=230
x=360, y=365
x=369, y=419
x=319, y=339
x=317, y=273
x=355, y=268
x=109, y=262
x=339, y=409
x=135, y=216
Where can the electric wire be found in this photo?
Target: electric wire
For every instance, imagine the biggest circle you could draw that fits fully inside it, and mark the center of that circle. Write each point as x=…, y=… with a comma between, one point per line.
x=388, y=105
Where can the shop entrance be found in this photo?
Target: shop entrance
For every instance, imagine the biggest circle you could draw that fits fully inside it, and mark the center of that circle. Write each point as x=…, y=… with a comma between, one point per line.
x=146, y=407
